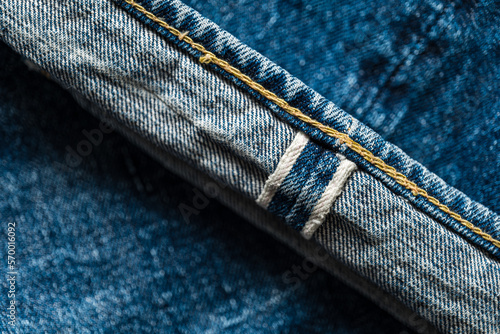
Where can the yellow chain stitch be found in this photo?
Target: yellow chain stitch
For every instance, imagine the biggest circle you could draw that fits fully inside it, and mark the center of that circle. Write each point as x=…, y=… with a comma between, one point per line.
x=209, y=57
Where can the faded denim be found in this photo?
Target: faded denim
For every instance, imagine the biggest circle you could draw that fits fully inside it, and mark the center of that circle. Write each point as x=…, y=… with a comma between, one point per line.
x=104, y=248
x=156, y=91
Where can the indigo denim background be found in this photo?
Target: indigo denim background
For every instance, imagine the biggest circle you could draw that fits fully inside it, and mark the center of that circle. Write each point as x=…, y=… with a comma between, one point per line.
x=103, y=248
x=76, y=69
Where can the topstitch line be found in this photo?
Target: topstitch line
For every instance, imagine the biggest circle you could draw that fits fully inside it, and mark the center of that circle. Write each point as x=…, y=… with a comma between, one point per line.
x=209, y=57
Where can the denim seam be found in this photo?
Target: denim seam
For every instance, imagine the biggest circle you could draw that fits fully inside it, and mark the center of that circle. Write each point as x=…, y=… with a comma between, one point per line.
x=333, y=190
x=209, y=57
x=283, y=168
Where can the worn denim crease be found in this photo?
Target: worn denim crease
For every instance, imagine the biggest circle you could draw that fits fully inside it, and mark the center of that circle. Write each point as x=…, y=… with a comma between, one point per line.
x=209, y=57
x=152, y=85
x=103, y=247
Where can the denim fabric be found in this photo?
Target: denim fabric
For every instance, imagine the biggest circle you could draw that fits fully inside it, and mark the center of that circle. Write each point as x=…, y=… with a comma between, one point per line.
x=147, y=80
x=121, y=76
x=297, y=94
x=186, y=116
x=438, y=274
x=423, y=74
x=304, y=185
x=103, y=248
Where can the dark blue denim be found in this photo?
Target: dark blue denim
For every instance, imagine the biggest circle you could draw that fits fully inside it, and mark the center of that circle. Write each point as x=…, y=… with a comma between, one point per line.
x=423, y=74
x=103, y=248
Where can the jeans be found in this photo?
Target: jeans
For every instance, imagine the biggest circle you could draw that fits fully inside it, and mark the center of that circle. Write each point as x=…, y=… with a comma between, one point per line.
x=103, y=246
x=203, y=103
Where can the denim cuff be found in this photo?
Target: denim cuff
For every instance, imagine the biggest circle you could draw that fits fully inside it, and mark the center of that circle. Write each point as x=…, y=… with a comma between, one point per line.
x=181, y=84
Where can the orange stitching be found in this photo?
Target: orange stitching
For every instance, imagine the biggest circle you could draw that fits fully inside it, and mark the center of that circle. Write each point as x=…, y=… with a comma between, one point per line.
x=183, y=34
x=209, y=57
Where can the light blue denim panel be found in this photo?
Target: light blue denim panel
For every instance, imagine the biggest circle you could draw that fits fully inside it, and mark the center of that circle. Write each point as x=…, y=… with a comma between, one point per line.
x=297, y=94
x=438, y=274
x=150, y=86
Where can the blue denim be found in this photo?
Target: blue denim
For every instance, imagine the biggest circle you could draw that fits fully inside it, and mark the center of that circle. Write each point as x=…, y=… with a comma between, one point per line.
x=422, y=74
x=303, y=97
x=443, y=277
x=103, y=247
x=126, y=67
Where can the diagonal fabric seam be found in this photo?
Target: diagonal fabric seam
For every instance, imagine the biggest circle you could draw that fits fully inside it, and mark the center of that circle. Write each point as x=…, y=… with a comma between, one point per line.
x=332, y=192
x=209, y=57
x=284, y=167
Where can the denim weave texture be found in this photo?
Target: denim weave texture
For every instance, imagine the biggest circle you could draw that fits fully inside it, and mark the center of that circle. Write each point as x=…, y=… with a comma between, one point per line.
x=423, y=74
x=301, y=96
x=415, y=76
x=103, y=248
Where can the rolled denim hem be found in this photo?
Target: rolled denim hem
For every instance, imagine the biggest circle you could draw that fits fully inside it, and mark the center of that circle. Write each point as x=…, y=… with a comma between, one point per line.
x=264, y=220
x=188, y=88
x=278, y=81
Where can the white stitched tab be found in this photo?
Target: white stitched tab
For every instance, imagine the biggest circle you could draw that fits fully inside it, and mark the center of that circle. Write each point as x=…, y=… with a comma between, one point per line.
x=332, y=191
x=284, y=167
